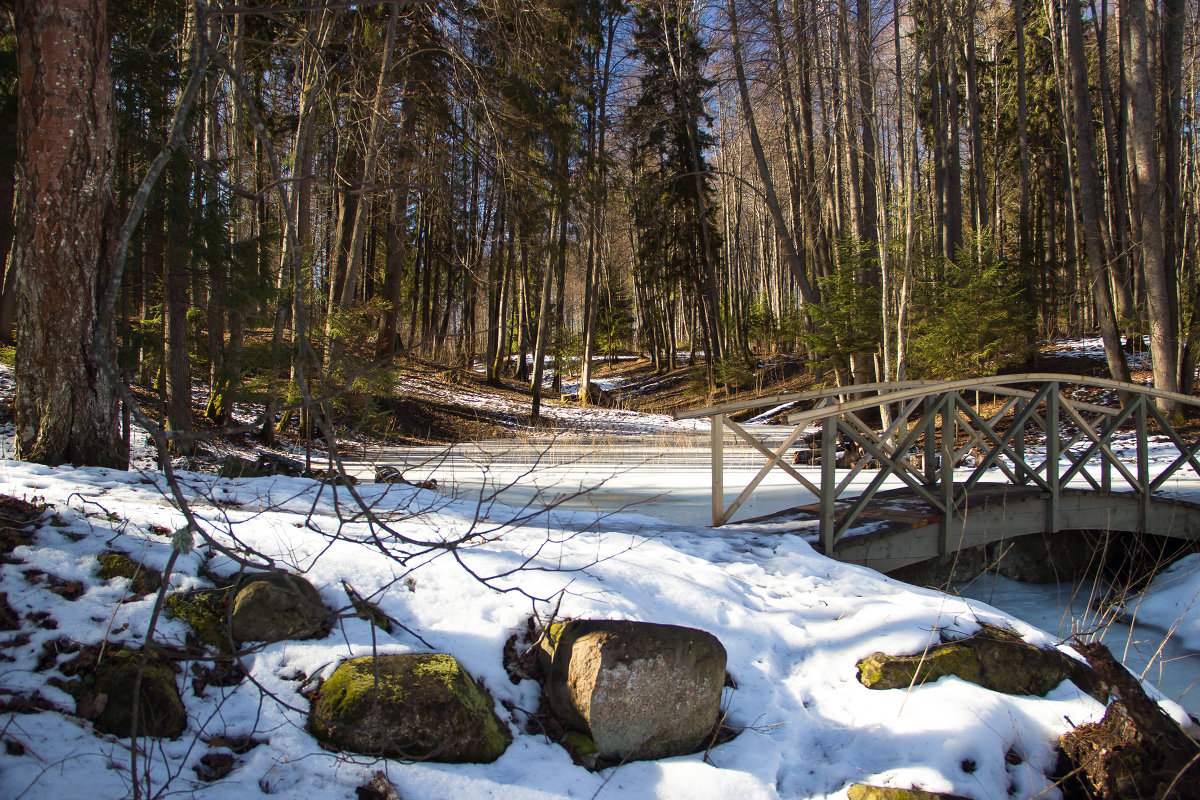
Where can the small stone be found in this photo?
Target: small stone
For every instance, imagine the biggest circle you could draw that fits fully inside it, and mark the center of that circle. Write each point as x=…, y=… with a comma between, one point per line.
x=214, y=765
x=265, y=607
x=273, y=606
x=238, y=467
x=160, y=709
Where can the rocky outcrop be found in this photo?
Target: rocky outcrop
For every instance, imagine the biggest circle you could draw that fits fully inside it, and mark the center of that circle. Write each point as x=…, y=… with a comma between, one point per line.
x=266, y=465
x=413, y=706
x=862, y=791
x=994, y=658
x=637, y=690
x=260, y=607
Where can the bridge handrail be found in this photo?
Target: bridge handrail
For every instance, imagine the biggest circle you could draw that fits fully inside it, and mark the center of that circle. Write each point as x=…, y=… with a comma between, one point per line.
x=893, y=392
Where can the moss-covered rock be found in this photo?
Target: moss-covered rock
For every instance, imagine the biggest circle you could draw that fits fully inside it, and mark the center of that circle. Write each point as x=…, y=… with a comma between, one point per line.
x=143, y=580
x=204, y=611
x=273, y=606
x=994, y=658
x=414, y=706
x=160, y=709
x=259, y=607
x=637, y=690
x=861, y=791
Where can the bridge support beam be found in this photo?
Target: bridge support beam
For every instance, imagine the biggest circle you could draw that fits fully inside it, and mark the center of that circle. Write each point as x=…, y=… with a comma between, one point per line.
x=1053, y=443
x=716, y=438
x=829, y=443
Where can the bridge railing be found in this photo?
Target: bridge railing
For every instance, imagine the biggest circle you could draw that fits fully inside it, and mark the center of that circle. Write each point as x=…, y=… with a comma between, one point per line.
x=932, y=428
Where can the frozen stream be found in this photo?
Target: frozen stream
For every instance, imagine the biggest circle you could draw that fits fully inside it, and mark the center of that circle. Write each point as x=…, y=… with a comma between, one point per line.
x=670, y=482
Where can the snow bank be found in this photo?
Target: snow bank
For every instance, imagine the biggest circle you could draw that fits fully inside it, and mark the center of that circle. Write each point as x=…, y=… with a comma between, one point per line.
x=1172, y=601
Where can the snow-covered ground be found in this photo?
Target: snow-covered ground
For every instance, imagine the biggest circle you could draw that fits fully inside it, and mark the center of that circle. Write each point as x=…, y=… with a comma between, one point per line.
x=794, y=624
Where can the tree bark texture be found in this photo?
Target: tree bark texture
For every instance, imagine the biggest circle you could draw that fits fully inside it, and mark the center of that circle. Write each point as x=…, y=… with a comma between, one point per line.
x=66, y=408
x=1160, y=290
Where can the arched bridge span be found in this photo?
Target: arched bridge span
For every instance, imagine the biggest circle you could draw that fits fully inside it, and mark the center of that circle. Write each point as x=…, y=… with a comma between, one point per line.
x=962, y=463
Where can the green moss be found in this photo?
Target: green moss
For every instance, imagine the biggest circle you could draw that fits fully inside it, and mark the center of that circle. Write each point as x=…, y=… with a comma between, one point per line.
x=994, y=658
x=204, y=612
x=579, y=744
x=142, y=579
x=862, y=791
x=219, y=404
x=422, y=706
x=356, y=679
x=160, y=709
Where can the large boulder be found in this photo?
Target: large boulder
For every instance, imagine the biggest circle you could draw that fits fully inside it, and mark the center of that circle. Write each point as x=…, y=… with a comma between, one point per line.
x=994, y=658
x=638, y=690
x=421, y=706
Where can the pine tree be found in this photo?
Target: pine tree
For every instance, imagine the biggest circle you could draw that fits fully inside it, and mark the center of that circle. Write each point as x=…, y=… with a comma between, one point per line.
x=674, y=207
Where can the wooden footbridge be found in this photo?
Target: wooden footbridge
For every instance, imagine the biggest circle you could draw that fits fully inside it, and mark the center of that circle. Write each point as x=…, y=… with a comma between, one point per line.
x=979, y=460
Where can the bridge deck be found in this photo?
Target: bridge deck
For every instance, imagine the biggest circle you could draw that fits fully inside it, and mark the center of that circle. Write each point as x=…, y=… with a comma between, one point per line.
x=897, y=509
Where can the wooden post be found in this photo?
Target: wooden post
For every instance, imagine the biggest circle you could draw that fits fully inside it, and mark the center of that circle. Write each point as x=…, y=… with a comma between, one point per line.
x=829, y=443
x=1019, y=447
x=931, y=410
x=1143, y=462
x=1105, y=462
x=1053, y=443
x=946, y=470
x=717, y=440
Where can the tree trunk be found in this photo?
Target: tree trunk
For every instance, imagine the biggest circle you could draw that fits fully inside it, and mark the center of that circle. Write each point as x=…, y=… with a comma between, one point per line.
x=363, y=217
x=67, y=405
x=868, y=231
x=1089, y=198
x=543, y=328
x=1171, y=28
x=8, y=165
x=1160, y=289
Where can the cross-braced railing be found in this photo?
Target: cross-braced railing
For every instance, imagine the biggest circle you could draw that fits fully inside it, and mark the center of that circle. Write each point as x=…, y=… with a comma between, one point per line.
x=932, y=428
